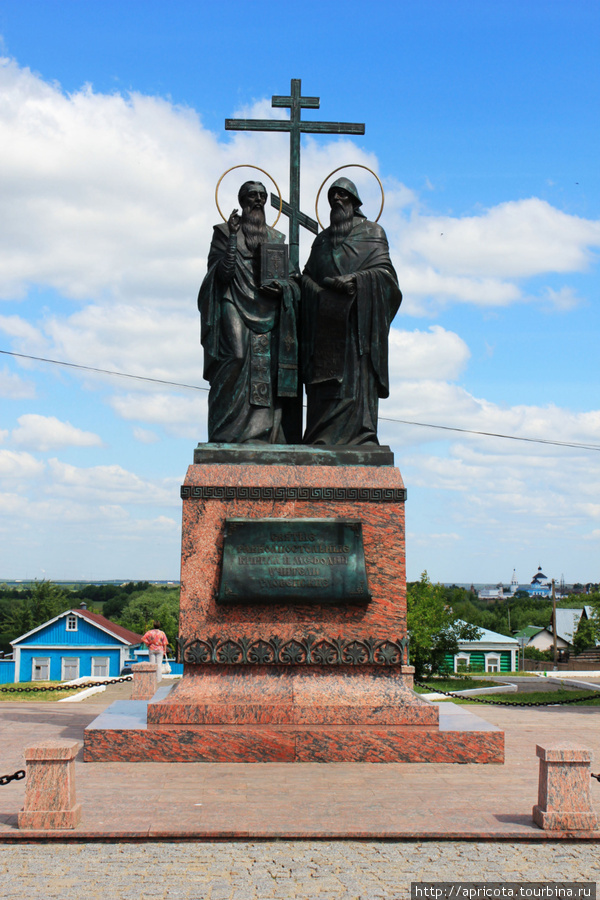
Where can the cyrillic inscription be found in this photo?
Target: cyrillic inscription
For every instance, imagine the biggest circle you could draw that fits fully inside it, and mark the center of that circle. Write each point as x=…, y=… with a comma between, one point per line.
x=293, y=561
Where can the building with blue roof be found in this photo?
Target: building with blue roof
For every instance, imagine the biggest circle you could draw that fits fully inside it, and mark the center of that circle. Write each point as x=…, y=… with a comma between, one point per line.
x=75, y=644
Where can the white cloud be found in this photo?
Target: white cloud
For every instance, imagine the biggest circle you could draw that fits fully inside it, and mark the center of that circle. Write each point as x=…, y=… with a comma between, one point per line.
x=513, y=240
x=14, y=387
x=483, y=259
x=562, y=300
x=529, y=490
x=426, y=290
x=111, y=199
x=49, y=433
x=104, y=192
x=133, y=339
x=15, y=465
x=10, y=506
x=111, y=484
x=435, y=354
x=112, y=522
x=430, y=401
x=145, y=436
x=427, y=540
x=181, y=416
x=17, y=327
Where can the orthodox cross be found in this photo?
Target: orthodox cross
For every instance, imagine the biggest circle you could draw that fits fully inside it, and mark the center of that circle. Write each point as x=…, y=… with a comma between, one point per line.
x=295, y=125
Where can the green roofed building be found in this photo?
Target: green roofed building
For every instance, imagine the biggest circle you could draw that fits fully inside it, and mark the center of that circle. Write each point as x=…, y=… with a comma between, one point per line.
x=491, y=652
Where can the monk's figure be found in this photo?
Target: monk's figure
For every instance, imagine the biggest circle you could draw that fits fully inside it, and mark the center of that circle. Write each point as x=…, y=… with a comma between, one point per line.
x=350, y=296
x=248, y=329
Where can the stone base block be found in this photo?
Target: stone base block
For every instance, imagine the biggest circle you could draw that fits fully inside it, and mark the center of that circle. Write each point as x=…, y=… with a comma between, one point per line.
x=557, y=821
x=121, y=734
x=144, y=681
x=288, y=695
x=50, y=786
x=48, y=819
x=564, y=795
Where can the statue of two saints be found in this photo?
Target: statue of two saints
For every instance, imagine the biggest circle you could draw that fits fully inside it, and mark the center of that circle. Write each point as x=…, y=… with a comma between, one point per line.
x=265, y=336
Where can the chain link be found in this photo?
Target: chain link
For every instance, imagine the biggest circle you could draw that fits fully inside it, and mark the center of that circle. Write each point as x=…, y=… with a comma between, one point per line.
x=473, y=699
x=16, y=776
x=20, y=773
x=63, y=687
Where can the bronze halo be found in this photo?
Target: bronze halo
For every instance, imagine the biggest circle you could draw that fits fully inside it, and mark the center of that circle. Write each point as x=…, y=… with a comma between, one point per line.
x=347, y=166
x=248, y=166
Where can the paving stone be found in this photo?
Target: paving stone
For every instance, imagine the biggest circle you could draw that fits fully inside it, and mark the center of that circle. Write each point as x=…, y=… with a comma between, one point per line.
x=385, y=870
x=421, y=797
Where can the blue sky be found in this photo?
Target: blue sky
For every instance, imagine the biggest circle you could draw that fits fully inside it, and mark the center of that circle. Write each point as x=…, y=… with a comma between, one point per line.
x=481, y=120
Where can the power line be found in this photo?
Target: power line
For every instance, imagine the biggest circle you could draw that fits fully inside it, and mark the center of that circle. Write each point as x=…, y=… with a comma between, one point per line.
x=195, y=387
x=506, y=437
x=58, y=362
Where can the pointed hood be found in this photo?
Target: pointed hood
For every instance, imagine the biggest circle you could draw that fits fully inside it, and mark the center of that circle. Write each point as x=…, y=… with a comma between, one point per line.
x=350, y=187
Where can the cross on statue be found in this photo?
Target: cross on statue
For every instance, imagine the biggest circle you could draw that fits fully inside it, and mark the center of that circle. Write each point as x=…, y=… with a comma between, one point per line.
x=295, y=125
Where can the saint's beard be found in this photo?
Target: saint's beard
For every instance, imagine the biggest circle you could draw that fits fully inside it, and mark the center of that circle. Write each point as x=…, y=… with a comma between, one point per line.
x=254, y=227
x=341, y=222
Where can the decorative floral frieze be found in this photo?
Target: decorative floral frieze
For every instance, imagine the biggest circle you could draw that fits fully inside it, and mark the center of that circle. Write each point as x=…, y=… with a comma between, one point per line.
x=296, y=652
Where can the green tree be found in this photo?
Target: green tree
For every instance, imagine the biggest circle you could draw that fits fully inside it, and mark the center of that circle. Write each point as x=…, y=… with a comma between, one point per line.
x=160, y=604
x=586, y=635
x=433, y=627
x=44, y=601
x=114, y=607
x=47, y=601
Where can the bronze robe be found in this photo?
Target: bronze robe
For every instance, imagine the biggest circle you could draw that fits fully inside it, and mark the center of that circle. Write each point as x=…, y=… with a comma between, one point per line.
x=250, y=343
x=345, y=339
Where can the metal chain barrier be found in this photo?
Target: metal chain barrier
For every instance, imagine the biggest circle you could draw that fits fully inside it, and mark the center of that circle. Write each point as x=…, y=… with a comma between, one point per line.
x=20, y=773
x=16, y=776
x=473, y=699
x=63, y=687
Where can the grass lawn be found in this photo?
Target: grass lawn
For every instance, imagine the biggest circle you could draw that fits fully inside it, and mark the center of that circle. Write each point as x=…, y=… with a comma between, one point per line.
x=589, y=698
x=547, y=698
x=453, y=684
x=21, y=691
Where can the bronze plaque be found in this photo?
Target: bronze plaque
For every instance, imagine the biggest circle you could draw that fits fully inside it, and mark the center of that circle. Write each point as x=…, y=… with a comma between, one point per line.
x=293, y=561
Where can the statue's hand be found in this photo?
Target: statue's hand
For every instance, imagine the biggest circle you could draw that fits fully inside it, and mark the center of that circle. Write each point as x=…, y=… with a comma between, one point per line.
x=345, y=284
x=272, y=289
x=234, y=222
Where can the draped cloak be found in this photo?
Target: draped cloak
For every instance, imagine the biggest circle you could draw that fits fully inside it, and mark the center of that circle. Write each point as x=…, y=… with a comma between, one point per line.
x=344, y=338
x=249, y=341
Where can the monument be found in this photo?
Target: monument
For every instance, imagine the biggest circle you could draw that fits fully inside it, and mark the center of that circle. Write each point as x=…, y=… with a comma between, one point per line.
x=293, y=629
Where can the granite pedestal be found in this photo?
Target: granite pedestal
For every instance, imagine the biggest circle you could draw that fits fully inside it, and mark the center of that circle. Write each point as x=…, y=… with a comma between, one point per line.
x=283, y=678
x=50, y=787
x=564, y=795
x=144, y=681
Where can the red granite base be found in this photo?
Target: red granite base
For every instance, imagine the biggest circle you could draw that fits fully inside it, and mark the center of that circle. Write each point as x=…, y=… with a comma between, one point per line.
x=372, y=495
x=284, y=679
x=295, y=743
x=288, y=695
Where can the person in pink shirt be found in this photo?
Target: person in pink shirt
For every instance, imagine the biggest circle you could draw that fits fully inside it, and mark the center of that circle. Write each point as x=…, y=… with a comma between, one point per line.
x=156, y=641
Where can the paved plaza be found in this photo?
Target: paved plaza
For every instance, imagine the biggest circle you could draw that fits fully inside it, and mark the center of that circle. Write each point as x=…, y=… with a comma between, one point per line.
x=282, y=870
x=258, y=831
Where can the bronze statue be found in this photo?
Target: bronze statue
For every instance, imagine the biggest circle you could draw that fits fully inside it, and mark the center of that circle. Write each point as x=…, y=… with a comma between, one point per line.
x=248, y=328
x=350, y=296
